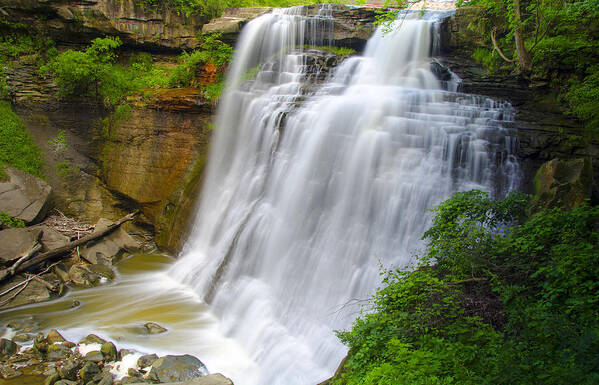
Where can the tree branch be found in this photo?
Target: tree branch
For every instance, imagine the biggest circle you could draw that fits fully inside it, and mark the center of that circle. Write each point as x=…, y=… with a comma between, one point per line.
x=496, y=46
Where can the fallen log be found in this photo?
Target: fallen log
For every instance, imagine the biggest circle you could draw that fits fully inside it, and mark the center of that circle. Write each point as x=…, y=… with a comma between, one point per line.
x=6, y=273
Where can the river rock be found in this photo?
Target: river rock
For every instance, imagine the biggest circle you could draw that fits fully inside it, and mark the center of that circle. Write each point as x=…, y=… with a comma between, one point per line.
x=7, y=347
x=565, y=183
x=88, y=371
x=106, y=379
x=109, y=351
x=54, y=336
x=24, y=196
x=146, y=360
x=52, y=379
x=176, y=368
x=108, y=249
x=213, y=379
x=94, y=356
x=92, y=339
x=68, y=370
x=154, y=328
x=58, y=352
x=22, y=337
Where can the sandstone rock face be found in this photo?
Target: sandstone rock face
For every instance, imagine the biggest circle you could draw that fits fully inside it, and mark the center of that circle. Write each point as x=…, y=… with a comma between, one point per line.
x=80, y=21
x=24, y=196
x=564, y=183
x=352, y=27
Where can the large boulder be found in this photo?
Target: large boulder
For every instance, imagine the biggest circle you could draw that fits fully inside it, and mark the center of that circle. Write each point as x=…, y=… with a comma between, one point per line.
x=24, y=196
x=564, y=183
x=176, y=368
x=16, y=241
x=108, y=249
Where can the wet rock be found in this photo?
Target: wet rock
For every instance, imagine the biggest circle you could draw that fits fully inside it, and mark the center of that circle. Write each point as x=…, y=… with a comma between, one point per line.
x=92, y=339
x=24, y=196
x=94, y=356
x=146, y=360
x=34, y=292
x=108, y=249
x=564, y=183
x=124, y=352
x=8, y=372
x=213, y=379
x=81, y=276
x=109, y=351
x=88, y=371
x=68, y=370
x=103, y=271
x=154, y=328
x=52, y=379
x=106, y=379
x=40, y=345
x=22, y=337
x=176, y=368
x=66, y=382
x=54, y=336
x=58, y=352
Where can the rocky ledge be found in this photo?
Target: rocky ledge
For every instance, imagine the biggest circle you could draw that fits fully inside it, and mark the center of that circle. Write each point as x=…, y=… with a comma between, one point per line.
x=95, y=361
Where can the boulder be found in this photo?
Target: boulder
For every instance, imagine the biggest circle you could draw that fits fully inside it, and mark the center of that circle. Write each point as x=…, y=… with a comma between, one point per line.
x=106, y=379
x=212, y=379
x=15, y=242
x=34, y=292
x=108, y=249
x=176, y=368
x=68, y=371
x=564, y=183
x=24, y=196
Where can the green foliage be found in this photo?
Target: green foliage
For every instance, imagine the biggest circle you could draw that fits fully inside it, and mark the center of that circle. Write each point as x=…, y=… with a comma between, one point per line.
x=543, y=270
x=562, y=38
x=59, y=143
x=16, y=145
x=339, y=51
x=8, y=221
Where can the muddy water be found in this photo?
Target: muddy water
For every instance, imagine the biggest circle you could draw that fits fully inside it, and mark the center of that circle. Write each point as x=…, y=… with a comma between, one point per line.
x=118, y=311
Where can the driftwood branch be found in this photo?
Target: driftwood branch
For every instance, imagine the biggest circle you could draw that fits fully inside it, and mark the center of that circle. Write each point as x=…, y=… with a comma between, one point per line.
x=4, y=274
x=496, y=47
x=24, y=284
x=34, y=249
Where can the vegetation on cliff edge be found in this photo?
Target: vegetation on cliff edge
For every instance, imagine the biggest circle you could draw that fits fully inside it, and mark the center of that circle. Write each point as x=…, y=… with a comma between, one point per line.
x=551, y=41
x=16, y=145
x=501, y=297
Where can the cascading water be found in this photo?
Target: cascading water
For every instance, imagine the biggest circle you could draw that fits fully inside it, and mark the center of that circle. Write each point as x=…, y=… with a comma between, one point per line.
x=308, y=194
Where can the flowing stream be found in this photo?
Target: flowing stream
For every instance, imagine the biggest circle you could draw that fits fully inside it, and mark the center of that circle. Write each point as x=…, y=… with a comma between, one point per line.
x=316, y=179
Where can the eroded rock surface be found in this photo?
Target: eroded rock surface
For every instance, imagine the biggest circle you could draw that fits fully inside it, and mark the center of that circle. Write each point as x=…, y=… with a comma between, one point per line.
x=24, y=196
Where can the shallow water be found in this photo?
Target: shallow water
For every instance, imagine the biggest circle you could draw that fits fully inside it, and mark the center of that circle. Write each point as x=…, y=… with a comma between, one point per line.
x=118, y=310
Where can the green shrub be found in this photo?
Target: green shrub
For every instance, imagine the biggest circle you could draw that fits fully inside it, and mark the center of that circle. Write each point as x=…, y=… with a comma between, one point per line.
x=540, y=271
x=16, y=145
x=8, y=221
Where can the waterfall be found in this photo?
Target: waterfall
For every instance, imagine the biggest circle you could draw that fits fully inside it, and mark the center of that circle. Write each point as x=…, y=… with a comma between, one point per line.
x=312, y=188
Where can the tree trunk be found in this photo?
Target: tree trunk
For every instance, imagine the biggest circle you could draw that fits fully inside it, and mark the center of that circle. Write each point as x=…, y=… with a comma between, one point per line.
x=524, y=57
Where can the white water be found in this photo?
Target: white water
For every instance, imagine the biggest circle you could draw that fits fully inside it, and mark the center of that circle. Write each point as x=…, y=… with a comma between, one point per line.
x=301, y=205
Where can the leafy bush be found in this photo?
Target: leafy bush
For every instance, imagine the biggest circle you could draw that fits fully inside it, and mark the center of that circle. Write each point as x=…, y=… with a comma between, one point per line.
x=8, y=221
x=16, y=145
x=542, y=273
